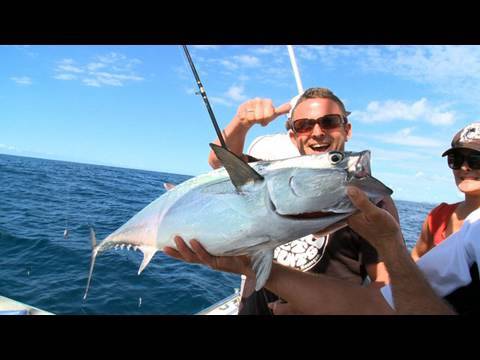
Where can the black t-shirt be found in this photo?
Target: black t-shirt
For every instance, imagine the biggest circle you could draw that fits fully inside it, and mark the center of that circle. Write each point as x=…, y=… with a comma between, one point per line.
x=343, y=255
x=466, y=300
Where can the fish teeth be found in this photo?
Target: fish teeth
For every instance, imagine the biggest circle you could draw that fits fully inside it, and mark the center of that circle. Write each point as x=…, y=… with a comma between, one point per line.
x=129, y=246
x=122, y=246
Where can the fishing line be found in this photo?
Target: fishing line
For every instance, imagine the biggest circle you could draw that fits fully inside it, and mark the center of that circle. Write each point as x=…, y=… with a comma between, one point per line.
x=65, y=232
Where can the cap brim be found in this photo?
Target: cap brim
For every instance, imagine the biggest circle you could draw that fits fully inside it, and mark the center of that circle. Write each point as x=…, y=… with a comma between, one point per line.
x=449, y=151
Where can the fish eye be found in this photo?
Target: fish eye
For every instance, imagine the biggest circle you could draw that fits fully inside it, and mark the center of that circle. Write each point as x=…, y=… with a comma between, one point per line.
x=335, y=157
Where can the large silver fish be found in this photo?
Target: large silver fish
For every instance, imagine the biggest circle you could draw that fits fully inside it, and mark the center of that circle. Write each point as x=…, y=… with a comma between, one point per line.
x=250, y=210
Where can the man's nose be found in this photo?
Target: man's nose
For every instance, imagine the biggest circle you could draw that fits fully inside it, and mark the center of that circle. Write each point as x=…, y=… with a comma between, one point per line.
x=465, y=166
x=317, y=130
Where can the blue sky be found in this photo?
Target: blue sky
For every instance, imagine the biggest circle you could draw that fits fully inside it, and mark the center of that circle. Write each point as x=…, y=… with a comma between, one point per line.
x=135, y=106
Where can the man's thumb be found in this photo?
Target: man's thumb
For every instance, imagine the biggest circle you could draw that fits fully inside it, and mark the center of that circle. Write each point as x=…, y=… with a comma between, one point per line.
x=359, y=199
x=283, y=109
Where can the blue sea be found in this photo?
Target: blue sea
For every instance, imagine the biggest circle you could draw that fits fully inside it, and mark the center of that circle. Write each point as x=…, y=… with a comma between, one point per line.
x=40, y=198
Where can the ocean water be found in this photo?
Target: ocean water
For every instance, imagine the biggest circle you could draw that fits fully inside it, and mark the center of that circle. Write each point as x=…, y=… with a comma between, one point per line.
x=38, y=266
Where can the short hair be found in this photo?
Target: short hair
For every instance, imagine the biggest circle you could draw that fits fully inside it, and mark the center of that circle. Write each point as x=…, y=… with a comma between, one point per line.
x=315, y=93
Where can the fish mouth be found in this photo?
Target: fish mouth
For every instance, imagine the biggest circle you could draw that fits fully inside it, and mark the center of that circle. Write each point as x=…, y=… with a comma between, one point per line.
x=302, y=216
x=312, y=215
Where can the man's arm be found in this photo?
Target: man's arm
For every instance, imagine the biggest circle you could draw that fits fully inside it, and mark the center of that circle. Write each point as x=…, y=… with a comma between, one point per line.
x=256, y=111
x=377, y=272
x=424, y=242
x=324, y=295
x=412, y=293
x=305, y=293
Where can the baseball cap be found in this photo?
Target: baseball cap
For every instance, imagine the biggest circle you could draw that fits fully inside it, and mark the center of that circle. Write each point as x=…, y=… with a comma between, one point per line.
x=467, y=138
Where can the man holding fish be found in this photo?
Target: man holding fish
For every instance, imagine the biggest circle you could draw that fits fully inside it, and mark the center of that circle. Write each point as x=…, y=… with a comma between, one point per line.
x=317, y=124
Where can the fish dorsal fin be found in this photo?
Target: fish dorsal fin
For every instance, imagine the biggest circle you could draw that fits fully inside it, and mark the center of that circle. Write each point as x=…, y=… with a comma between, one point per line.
x=168, y=186
x=239, y=171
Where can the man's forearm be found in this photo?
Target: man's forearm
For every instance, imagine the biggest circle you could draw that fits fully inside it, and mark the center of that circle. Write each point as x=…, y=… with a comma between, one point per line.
x=321, y=294
x=412, y=294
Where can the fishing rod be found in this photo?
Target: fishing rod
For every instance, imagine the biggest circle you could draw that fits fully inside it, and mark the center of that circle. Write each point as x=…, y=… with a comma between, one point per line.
x=204, y=97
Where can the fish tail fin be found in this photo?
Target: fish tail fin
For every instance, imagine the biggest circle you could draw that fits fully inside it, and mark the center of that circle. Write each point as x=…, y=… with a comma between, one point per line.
x=93, y=238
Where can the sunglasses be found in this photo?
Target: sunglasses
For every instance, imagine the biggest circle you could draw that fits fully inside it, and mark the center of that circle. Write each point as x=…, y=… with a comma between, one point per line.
x=326, y=122
x=456, y=160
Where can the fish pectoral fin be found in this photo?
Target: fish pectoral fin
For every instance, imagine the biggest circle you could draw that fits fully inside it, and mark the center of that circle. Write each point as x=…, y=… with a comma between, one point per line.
x=239, y=171
x=148, y=252
x=262, y=264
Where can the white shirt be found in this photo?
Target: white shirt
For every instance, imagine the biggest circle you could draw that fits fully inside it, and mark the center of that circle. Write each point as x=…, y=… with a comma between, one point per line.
x=273, y=147
x=447, y=265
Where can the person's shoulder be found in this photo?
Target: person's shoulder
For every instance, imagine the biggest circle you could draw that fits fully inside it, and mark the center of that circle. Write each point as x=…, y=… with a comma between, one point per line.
x=473, y=218
x=443, y=207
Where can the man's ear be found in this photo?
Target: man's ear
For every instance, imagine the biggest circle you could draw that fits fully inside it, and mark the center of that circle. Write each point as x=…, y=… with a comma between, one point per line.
x=293, y=137
x=348, y=130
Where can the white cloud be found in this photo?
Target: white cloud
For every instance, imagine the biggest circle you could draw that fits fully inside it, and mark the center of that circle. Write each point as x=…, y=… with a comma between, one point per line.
x=8, y=147
x=205, y=47
x=69, y=68
x=23, y=80
x=238, y=61
x=450, y=69
x=233, y=96
x=111, y=58
x=380, y=154
x=228, y=64
x=247, y=60
x=391, y=110
x=116, y=70
x=65, y=77
x=268, y=49
x=236, y=93
x=221, y=101
x=91, y=82
x=94, y=66
x=405, y=137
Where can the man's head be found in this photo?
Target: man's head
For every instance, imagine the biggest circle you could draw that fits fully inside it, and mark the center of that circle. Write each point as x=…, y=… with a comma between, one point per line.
x=464, y=159
x=318, y=122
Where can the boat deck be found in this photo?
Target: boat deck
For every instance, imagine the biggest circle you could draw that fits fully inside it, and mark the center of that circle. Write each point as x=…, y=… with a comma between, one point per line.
x=12, y=307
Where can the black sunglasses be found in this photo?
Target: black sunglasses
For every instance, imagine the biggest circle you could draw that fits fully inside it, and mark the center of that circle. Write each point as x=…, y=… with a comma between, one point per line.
x=327, y=122
x=456, y=160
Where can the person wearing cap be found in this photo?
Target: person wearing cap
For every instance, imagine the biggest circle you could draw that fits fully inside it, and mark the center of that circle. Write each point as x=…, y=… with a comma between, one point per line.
x=317, y=123
x=463, y=158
